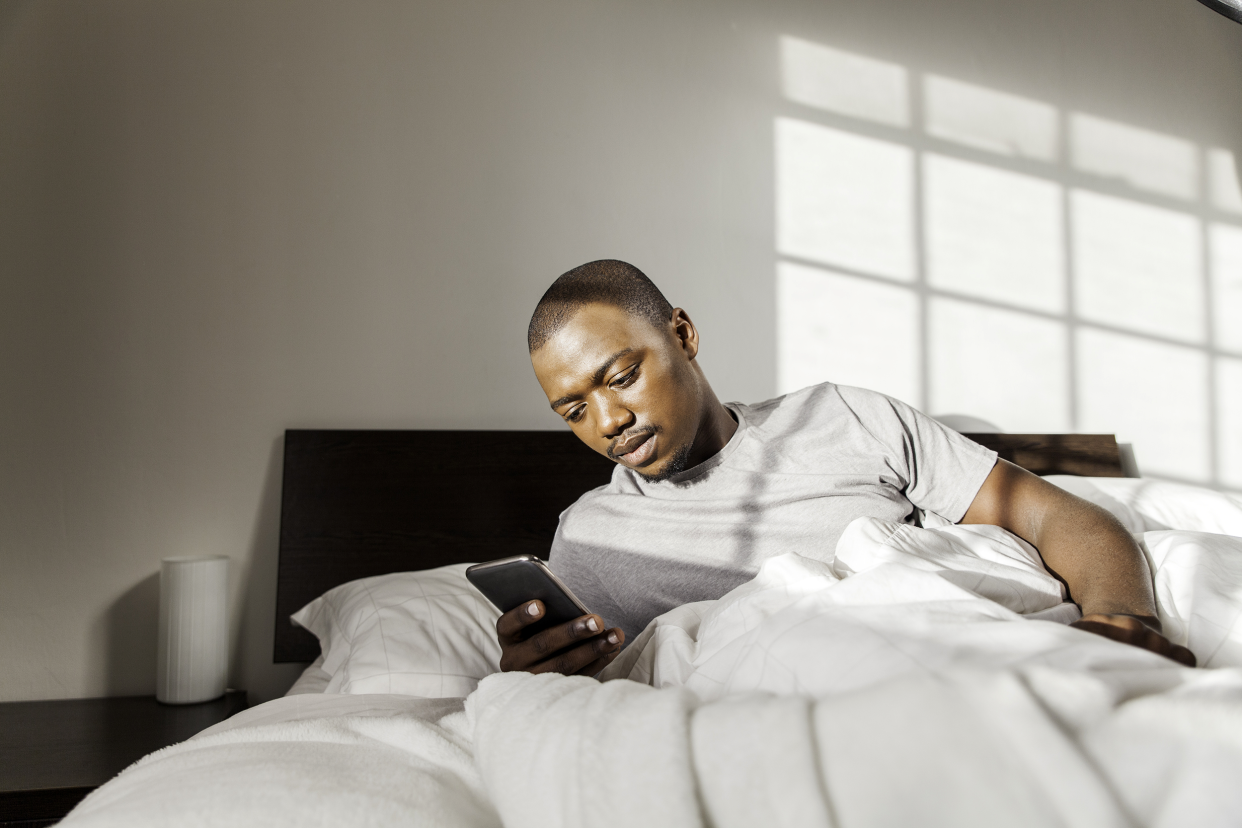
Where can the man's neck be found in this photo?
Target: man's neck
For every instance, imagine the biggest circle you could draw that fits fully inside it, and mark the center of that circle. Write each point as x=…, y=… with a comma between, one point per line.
x=717, y=428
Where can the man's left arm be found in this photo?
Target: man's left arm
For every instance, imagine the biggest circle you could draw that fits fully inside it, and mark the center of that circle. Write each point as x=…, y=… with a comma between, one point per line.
x=1086, y=548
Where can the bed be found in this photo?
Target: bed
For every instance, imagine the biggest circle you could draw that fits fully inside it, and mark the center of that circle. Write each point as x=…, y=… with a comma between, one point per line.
x=926, y=675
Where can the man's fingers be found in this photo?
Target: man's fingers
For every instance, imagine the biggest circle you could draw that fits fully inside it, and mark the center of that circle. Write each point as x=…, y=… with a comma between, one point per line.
x=578, y=659
x=564, y=635
x=600, y=663
x=518, y=619
x=547, y=645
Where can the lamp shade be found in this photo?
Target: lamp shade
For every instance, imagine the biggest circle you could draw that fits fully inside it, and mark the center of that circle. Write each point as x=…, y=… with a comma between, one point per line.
x=192, y=662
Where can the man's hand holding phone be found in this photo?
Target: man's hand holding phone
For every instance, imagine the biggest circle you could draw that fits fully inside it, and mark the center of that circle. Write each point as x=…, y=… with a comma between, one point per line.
x=543, y=628
x=579, y=647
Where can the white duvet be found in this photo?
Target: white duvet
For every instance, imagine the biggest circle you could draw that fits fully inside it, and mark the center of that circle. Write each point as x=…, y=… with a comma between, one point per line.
x=926, y=677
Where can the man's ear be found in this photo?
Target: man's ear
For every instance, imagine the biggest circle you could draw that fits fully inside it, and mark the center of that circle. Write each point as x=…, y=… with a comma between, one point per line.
x=687, y=335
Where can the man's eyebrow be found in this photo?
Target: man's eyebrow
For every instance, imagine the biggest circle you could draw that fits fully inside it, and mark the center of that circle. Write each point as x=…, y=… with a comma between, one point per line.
x=596, y=378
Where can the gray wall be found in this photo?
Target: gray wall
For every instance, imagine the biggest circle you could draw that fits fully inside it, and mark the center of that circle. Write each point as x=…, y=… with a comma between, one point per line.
x=219, y=220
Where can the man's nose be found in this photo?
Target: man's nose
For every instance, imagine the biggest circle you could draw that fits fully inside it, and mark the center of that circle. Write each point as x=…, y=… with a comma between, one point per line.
x=614, y=419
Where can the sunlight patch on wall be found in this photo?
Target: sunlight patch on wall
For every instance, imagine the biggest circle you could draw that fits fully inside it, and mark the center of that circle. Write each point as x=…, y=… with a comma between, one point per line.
x=936, y=242
x=1226, y=245
x=989, y=120
x=844, y=199
x=1229, y=420
x=844, y=83
x=845, y=329
x=1150, y=394
x=1223, y=181
x=994, y=234
x=1004, y=366
x=1138, y=266
x=1143, y=159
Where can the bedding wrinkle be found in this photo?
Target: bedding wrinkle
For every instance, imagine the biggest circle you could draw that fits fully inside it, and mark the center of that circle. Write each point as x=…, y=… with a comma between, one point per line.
x=566, y=751
x=1072, y=704
x=749, y=754
x=1198, y=582
x=955, y=750
x=379, y=621
x=313, y=680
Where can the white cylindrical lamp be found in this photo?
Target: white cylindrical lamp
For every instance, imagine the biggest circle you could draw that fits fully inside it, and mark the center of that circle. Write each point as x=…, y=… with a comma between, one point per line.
x=192, y=663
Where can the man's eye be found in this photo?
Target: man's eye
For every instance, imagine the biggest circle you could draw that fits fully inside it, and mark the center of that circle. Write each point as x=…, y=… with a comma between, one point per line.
x=625, y=379
x=575, y=415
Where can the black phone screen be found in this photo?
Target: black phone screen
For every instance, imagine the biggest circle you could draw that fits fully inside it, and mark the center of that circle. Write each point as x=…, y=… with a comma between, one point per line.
x=510, y=582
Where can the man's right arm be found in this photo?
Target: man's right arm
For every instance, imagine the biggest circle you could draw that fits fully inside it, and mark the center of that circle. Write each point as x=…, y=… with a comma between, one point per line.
x=579, y=647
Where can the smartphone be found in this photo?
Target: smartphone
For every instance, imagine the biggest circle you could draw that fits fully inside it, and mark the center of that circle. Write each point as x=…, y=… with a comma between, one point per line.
x=510, y=582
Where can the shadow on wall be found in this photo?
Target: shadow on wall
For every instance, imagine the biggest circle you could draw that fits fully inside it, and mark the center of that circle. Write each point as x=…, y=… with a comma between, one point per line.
x=131, y=628
x=131, y=624
x=251, y=665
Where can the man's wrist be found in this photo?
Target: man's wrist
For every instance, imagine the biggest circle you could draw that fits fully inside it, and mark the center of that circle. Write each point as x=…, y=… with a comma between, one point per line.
x=1150, y=621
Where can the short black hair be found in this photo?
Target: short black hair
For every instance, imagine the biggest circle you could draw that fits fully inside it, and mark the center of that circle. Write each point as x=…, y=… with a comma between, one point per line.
x=609, y=281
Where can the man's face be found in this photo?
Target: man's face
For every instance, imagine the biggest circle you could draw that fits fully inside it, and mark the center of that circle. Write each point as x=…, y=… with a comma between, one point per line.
x=630, y=391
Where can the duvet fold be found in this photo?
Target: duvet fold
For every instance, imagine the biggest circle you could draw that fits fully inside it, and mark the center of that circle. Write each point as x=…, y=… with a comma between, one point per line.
x=965, y=749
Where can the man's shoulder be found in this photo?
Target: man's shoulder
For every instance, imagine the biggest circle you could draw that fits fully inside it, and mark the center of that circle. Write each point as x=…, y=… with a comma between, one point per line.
x=756, y=412
x=821, y=392
x=816, y=404
x=841, y=414
x=834, y=400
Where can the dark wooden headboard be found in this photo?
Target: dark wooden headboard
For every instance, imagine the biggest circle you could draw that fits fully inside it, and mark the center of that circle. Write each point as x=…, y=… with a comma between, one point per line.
x=363, y=503
x=1086, y=455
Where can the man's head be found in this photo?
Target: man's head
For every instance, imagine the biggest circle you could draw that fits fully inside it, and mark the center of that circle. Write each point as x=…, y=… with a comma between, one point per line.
x=617, y=362
x=607, y=281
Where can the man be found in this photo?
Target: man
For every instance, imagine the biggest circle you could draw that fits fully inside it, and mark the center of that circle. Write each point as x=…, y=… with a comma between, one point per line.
x=704, y=492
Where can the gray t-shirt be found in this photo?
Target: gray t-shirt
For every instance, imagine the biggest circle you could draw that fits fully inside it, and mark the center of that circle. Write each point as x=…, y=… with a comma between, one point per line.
x=797, y=471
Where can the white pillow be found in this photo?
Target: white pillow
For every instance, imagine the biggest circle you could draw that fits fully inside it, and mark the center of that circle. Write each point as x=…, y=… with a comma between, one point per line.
x=1177, y=505
x=1146, y=505
x=427, y=633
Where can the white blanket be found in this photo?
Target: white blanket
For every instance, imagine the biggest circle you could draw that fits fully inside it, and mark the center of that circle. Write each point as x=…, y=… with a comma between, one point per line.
x=906, y=684
x=900, y=599
x=898, y=695
x=307, y=760
x=1035, y=746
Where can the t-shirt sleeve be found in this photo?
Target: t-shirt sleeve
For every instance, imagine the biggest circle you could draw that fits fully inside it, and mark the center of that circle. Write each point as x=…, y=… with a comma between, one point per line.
x=942, y=470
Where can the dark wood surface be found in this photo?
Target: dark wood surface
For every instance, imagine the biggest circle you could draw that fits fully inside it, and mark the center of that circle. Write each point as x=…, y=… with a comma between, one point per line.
x=1086, y=455
x=362, y=503
x=53, y=753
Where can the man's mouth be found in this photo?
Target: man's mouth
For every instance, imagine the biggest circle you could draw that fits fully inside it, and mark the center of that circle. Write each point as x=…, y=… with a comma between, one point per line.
x=635, y=450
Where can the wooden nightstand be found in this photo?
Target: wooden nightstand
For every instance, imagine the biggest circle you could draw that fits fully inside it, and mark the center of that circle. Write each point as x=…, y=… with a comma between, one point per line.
x=53, y=753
